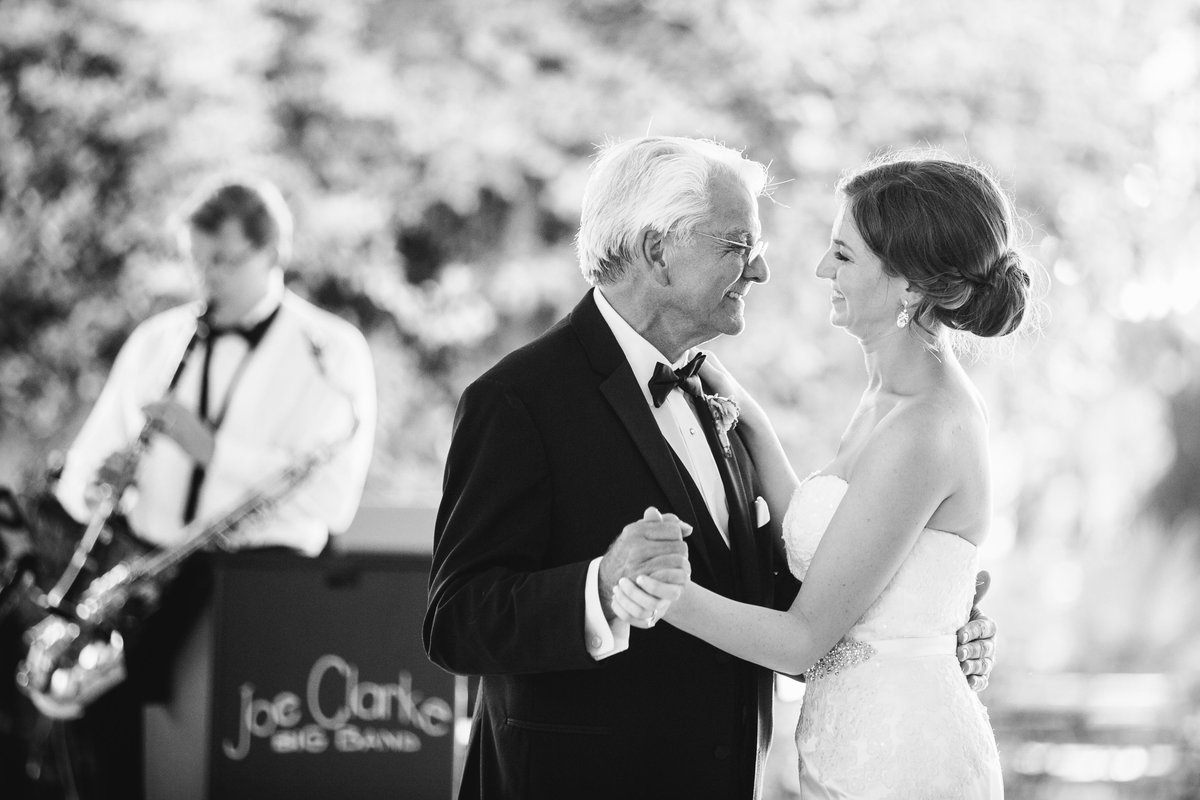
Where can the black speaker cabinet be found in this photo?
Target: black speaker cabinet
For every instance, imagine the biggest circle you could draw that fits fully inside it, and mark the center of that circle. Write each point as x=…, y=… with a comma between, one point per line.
x=306, y=679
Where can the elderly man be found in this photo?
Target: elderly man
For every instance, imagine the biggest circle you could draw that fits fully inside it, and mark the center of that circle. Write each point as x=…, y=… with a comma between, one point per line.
x=574, y=463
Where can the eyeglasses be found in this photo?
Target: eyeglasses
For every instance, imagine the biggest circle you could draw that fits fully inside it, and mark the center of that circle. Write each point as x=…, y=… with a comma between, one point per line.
x=753, y=251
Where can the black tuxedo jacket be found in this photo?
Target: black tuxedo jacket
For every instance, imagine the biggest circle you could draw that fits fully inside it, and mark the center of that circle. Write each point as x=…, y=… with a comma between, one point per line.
x=554, y=451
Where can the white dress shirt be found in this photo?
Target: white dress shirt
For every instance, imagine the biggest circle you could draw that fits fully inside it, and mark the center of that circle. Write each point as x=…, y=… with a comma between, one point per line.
x=681, y=428
x=300, y=388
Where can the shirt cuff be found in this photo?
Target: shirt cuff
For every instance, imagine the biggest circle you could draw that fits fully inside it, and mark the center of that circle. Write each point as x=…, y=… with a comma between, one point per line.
x=603, y=640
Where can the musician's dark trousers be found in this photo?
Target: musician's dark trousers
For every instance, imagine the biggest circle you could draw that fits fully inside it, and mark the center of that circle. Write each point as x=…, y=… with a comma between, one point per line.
x=16, y=713
x=105, y=747
x=95, y=757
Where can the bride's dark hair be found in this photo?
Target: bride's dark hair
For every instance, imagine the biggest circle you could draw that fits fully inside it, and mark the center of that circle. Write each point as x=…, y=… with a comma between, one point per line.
x=947, y=228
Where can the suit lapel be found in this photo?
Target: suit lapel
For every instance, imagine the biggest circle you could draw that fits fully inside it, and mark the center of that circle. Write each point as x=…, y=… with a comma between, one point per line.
x=626, y=398
x=627, y=401
x=620, y=389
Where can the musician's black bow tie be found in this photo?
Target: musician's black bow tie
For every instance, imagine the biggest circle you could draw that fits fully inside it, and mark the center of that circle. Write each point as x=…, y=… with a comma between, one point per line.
x=253, y=334
x=665, y=379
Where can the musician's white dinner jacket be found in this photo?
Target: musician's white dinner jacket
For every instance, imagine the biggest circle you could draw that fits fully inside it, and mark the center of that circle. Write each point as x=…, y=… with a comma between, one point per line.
x=292, y=395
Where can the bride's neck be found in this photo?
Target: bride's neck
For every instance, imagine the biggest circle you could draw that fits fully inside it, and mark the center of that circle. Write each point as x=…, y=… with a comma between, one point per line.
x=902, y=364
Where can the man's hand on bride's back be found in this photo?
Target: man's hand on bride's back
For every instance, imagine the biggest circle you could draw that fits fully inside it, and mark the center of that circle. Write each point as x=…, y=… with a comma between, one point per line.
x=977, y=640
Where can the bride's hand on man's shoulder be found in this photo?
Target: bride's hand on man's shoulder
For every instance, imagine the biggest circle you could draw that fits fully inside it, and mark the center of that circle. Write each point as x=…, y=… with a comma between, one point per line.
x=719, y=379
x=645, y=601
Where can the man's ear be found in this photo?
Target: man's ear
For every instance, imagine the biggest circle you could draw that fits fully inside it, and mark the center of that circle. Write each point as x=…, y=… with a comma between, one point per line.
x=652, y=251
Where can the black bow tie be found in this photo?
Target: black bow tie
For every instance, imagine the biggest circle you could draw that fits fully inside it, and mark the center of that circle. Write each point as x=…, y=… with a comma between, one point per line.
x=253, y=334
x=665, y=379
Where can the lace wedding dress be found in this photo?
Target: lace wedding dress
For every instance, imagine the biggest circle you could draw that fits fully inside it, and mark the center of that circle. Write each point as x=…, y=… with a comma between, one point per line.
x=888, y=713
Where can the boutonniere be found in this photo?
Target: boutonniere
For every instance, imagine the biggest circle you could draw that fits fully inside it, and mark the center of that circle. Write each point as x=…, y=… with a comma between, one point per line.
x=724, y=412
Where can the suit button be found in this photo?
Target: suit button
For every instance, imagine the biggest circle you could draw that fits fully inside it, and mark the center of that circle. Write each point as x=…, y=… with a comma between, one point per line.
x=723, y=751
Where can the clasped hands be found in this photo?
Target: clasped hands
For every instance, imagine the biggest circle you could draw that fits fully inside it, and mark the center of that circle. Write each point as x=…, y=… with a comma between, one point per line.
x=651, y=549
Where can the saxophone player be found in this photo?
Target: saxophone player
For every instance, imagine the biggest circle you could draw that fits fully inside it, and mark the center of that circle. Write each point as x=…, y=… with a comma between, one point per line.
x=203, y=402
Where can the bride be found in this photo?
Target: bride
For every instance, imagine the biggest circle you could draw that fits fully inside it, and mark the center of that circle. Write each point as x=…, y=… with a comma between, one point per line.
x=886, y=536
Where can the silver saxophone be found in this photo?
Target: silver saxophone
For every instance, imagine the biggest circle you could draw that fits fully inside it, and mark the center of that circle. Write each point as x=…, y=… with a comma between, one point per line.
x=75, y=653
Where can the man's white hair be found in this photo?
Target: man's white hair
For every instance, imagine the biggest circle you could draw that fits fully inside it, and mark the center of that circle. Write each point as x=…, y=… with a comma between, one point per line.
x=658, y=182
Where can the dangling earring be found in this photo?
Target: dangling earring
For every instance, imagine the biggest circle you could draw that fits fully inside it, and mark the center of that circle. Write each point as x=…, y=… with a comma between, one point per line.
x=903, y=318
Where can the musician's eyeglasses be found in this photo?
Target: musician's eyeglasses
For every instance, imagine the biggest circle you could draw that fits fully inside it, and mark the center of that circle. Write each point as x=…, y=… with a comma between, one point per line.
x=753, y=251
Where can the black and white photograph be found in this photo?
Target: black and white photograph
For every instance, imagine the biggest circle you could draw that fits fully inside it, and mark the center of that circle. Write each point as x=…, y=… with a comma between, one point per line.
x=570, y=399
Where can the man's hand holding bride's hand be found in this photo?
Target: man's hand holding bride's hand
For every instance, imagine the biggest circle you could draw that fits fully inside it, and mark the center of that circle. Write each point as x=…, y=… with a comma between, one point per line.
x=645, y=600
x=977, y=640
x=651, y=546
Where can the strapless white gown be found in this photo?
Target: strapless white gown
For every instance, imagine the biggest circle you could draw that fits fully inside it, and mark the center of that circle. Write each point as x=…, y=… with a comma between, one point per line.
x=888, y=713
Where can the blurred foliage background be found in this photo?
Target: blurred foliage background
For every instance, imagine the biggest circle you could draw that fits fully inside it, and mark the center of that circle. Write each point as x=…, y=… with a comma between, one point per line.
x=435, y=154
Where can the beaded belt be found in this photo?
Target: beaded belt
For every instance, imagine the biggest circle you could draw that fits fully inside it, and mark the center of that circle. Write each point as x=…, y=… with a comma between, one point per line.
x=849, y=652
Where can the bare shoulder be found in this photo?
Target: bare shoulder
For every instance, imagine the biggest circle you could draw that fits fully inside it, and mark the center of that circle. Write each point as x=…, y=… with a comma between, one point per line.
x=937, y=427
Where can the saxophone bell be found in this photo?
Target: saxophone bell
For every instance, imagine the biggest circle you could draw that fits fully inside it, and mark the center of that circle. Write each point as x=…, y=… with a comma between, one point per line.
x=64, y=669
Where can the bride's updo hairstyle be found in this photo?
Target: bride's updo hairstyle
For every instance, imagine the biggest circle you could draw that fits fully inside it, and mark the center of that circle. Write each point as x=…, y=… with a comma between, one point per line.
x=948, y=229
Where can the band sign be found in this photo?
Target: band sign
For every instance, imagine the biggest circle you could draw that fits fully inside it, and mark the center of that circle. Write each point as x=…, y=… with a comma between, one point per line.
x=339, y=711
